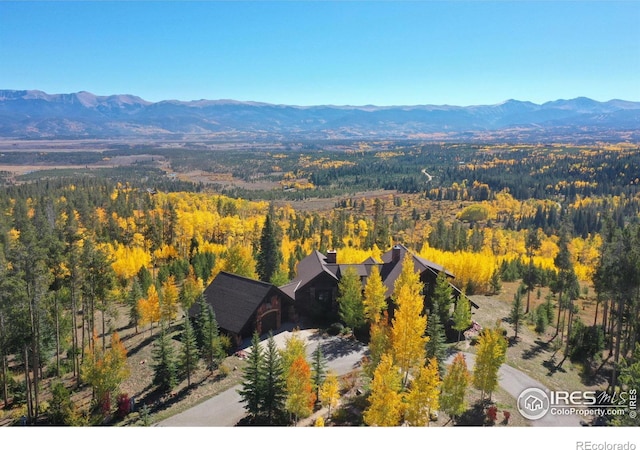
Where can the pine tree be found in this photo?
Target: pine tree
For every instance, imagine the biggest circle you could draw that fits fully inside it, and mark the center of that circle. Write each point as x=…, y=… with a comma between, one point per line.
x=165, y=367
x=269, y=256
x=442, y=296
x=208, y=336
x=516, y=315
x=252, y=385
x=454, y=387
x=318, y=370
x=274, y=387
x=385, y=401
x=374, y=301
x=189, y=355
x=351, y=308
x=435, y=346
x=135, y=295
x=462, y=315
x=424, y=395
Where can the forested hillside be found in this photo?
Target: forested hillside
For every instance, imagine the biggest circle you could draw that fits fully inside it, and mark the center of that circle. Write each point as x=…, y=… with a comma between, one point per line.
x=77, y=247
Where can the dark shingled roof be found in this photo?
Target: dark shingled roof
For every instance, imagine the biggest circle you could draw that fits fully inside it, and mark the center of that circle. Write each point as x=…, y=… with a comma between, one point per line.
x=234, y=299
x=316, y=263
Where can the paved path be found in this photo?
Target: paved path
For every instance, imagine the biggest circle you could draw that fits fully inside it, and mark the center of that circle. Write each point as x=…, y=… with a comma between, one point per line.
x=514, y=382
x=343, y=356
x=226, y=409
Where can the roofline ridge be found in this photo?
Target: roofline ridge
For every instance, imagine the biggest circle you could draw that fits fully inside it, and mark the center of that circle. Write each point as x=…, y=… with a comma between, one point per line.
x=245, y=278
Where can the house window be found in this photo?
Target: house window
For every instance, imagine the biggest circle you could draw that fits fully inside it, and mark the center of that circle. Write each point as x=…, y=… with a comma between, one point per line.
x=323, y=297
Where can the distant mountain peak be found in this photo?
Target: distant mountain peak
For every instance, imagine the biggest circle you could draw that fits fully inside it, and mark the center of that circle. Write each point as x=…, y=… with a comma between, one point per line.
x=36, y=114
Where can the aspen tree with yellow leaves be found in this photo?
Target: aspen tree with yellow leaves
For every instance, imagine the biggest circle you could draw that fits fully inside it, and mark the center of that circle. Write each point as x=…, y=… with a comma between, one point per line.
x=492, y=350
x=374, y=300
x=423, y=396
x=409, y=323
x=385, y=402
x=329, y=393
x=169, y=300
x=149, y=307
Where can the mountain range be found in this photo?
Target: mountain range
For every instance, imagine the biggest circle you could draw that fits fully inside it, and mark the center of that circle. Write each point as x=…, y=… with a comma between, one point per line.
x=32, y=114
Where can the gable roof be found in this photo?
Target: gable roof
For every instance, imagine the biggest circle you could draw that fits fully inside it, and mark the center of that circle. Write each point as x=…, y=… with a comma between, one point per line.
x=392, y=267
x=235, y=298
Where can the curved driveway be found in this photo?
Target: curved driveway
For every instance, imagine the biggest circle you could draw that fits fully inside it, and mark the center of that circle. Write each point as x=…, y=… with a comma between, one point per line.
x=343, y=356
x=514, y=382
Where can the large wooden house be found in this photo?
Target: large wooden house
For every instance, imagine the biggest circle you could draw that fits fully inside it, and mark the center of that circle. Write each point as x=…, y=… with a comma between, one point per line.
x=243, y=305
x=315, y=288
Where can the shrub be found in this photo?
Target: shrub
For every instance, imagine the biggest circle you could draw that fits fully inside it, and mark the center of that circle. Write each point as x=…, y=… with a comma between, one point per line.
x=124, y=405
x=492, y=413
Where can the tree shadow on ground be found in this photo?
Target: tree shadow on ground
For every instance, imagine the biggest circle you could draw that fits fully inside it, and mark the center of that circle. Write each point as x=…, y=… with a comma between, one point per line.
x=533, y=351
x=475, y=416
x=337, y=347
x=552, y=367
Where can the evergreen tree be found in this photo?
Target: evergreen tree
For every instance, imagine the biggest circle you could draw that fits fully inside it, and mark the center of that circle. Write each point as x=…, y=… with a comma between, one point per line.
x=350, y=304
x=210, y=343
x=442, y=296
x=516, y=315
x=189, y=354
x=495, y=282
x=252, y=386
x=435, y=346
x=165, y=367
x=318, y=369
x=274, y=392
x=269, y=256
x=135, y=295
x=532, y=243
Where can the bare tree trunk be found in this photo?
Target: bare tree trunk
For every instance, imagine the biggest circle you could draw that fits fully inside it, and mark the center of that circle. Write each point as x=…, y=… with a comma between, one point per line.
x=27, y=383
x=5, y=386
x=74, y=334
x=57, y=337
x=104, y=333
x=616, y=355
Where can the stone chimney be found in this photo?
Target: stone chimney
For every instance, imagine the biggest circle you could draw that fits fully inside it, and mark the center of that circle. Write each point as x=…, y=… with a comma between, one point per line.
x=395, y=253
x=332, y=257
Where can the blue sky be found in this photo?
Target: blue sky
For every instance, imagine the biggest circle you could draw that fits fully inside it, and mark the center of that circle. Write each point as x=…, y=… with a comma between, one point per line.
x=325, y=52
